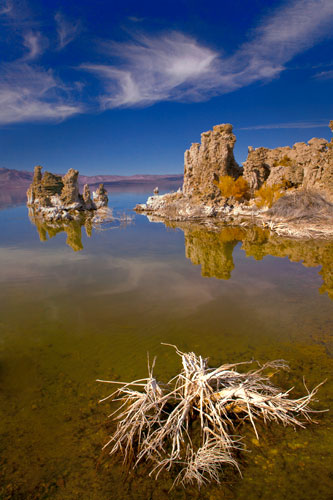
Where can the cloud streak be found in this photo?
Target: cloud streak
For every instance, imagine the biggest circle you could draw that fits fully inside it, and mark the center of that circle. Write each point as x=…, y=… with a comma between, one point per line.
x=324, y=75
x=175, y=67
x=30, y=93
x=170, y=67
x=323, y=124
x=34, y=42
x=5, y=8
x=66, y=30
x=152, y=68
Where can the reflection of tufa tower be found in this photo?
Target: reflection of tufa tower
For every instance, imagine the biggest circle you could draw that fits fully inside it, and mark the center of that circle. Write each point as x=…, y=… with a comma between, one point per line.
x=213, y=250
x=71, y=228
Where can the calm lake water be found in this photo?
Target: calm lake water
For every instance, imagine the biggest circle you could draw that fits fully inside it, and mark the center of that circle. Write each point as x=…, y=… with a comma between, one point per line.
x=76, y=307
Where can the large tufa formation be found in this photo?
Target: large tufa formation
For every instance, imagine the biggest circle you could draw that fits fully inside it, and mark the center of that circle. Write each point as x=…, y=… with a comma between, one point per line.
x=306, y=165
x=215, y=186
x=206, y=162
x=57, y=197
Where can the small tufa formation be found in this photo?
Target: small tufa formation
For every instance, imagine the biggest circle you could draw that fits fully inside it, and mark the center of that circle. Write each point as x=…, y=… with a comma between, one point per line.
x=205, y=163
x=87, y=198
x=100, y=197
x=57, y=197
x=43, y=187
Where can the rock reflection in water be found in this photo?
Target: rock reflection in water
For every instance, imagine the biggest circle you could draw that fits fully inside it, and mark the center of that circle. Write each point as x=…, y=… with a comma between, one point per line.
x=212, y=249
x=73, y=228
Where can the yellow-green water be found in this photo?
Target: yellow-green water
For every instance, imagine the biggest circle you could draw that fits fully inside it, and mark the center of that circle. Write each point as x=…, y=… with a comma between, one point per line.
x=69, y=317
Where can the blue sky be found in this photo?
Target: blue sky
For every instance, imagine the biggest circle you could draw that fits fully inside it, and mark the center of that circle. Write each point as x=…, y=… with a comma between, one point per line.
x=124, y=87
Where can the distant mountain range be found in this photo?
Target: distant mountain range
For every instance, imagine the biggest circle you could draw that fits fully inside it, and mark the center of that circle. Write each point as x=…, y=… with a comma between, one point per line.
x=15, y=179
x=14, y=183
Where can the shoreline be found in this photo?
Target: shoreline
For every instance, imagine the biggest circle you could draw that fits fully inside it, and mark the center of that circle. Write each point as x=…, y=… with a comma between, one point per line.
x=174, y=207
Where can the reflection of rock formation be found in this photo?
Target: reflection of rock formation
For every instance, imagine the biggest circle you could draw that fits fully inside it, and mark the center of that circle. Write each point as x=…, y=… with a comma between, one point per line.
x=72, y=228
x=312, y=253
x=100, y=220
x=213, y=249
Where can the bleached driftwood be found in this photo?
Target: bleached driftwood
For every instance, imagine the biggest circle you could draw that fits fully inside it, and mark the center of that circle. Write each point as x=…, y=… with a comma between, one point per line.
x=155, y=420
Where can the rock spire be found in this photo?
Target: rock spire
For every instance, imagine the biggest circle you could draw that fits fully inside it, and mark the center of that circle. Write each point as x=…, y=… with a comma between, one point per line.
x=58, y=197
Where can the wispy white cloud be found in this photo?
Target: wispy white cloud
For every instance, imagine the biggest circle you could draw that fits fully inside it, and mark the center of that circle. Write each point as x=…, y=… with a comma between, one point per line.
x=35, y=44
x=30, y=94
x=324, y=75
x=290, y=30
x=167, y=67
x=322, y=124
x=170, y=67
x=135, y=19
x=17, y=14
x=6, y=7
x=66, y=30
x=177, y=67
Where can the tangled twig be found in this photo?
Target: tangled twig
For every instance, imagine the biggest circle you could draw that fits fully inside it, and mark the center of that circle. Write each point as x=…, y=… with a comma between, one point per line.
x=155, y=422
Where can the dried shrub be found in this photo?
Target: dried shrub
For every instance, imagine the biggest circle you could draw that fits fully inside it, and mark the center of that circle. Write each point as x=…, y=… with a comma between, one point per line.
x=267, y=195
x=304, y=205
x=229, y=187
x=156, y=421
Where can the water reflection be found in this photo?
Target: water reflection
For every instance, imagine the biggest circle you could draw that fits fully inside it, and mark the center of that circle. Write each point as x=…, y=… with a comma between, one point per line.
x=73, y=228
x=213, y=249
x=67, y=318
